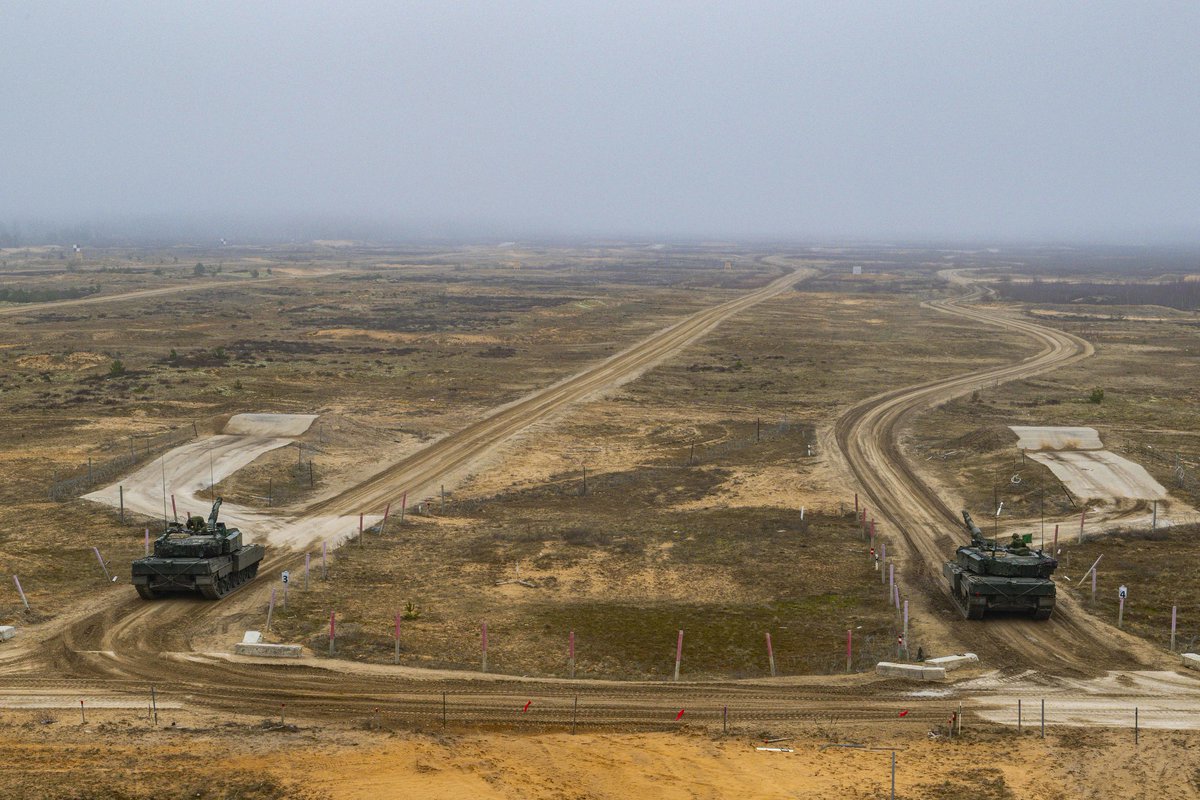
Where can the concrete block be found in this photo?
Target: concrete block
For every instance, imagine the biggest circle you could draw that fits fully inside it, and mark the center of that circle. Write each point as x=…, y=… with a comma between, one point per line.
x=914, y=672
x=953, y=662
x=267, y=650
x=252, y=637
x=7, y=632
x=1191, y=660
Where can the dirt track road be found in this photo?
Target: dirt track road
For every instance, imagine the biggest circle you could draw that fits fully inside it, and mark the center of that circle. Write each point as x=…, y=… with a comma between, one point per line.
x=119, y=647
x=868, y=436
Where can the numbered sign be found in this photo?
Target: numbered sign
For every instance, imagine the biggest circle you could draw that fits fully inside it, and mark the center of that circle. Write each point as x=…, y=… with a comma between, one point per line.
x=1123, y=592
x=286, y=575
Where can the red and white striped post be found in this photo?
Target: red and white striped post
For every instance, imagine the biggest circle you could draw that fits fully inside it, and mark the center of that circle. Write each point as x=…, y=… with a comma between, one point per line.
x=485, y=646
x=571, y=651
x=396, y=658
x=332, y=632
x=678, y=654
x=771, y=655
x=849, y=646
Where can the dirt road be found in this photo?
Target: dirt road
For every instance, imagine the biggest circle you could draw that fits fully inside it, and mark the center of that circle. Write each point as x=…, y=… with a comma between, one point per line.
x=868, y=436
x=141, y=294
x=119, y=647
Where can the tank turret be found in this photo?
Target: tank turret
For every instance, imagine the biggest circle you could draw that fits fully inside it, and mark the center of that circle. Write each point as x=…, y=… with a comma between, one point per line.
x=197, y=556
x=987, y=576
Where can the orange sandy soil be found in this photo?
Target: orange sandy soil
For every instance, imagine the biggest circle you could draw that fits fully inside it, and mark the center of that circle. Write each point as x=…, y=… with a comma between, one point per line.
x=122, y=758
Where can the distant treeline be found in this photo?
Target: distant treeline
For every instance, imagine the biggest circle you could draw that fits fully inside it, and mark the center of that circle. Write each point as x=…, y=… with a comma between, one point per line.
x=8, y=295
x=1183, y=295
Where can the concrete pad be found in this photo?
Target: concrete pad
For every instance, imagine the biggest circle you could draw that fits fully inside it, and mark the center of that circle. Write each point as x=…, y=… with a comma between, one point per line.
x=252, y=637
x=7, y=632
x=953, y=662
x=267, y=650
x=915, y=672
x=1191, y=660
x=269, y=425
x=1041, y=437
x=1101, y=474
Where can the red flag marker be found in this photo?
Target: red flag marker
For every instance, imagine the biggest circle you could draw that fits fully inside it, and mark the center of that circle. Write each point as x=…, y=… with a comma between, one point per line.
x=526, y=708
x=679, y=716
x=904, y=713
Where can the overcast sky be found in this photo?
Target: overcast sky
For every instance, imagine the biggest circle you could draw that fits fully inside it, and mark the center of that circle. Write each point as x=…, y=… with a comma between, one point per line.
x=1040, y=120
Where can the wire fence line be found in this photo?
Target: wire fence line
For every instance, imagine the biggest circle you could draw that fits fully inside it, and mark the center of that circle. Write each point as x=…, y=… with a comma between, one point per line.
x=141, y=449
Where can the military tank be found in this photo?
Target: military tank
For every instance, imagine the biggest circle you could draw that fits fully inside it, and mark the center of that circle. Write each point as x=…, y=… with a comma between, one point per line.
x=986, y=576
x=197, y=556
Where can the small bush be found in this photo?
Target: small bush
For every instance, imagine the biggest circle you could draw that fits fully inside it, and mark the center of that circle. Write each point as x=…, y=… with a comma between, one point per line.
x=1097, y=396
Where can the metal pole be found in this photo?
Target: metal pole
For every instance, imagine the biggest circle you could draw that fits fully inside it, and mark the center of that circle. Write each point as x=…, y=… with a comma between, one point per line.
x=678, y=654
x=270, y=609
x=571, y=651
x=485, y=646
x=1043, y=718
x=575, y=714
x=1135, y=725
x=307, y=559
x=849, y=640
x=324, y=568
x=893, y=775
x=21, y=591
x=121, y=494
x=1154, y=517
x=1121, y=613
x=396, y=659
x=154, y=703
x=1173, y=609
x=771, y=655
x=1018, y=716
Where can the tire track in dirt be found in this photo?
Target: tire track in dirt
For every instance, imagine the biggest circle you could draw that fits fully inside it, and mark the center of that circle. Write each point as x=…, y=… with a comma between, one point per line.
x=868, y=436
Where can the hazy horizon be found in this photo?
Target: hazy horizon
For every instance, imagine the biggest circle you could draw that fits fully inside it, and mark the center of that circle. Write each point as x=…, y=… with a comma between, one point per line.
x=738, y=121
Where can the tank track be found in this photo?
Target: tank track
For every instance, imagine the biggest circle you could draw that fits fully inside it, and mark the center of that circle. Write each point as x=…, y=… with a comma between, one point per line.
x=223, y=587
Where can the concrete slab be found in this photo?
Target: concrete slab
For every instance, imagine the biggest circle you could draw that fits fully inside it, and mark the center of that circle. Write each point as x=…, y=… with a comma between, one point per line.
x=252, y=637
x=953, y=662
x=267, y=650
x=1101, y=474
x=269, y=425
x=7, y=632
x=915, y=672
x=1044, y=437
x=1191, y=660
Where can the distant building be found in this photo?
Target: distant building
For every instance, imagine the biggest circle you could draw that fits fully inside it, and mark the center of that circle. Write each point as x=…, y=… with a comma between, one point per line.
x=856, y=270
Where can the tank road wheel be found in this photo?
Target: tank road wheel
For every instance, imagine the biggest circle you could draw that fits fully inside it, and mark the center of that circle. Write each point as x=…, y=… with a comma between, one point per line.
x=215, y=590
x=146, y=593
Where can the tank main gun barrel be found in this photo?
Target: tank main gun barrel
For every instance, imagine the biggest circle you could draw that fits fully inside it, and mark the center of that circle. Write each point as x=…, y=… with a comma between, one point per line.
x=976, y=534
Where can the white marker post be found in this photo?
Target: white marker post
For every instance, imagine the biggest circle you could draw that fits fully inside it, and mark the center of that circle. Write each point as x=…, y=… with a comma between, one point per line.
x=906, y=627
x=21, y=591
x=771, y=655
x=307, y=558
x=883, y=558
x=270, y=609
x=485, y=646
x=285, y=577
x=849, y=646
x=103, y=566
x=1173, y=609
x=1082, y=516
x=678, y=654
x=1122, y=593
